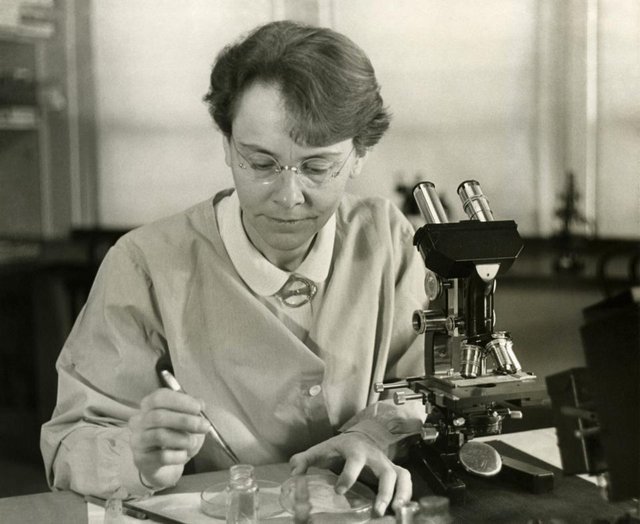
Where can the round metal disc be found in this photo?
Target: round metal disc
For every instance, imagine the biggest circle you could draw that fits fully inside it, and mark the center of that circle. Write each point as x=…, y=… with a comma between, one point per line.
x=480, y=459
x=432, y=286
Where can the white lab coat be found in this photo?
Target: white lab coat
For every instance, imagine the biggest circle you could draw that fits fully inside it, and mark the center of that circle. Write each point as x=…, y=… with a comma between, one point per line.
x=170, y=287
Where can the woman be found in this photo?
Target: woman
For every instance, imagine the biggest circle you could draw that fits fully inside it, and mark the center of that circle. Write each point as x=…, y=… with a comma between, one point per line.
x=278, y=303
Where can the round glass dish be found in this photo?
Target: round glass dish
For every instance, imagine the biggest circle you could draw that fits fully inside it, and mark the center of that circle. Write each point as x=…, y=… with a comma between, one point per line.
x=354, y=506
x=213, y=500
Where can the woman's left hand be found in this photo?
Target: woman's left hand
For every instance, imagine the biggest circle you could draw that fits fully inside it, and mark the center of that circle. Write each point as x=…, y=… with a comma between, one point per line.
x=357, y=451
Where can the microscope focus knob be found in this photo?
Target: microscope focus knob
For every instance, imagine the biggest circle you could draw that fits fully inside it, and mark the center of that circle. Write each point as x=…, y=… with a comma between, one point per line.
x=428, y=434
x=433, y=286
x=379, y=387
x=424, y=320
x=402, y=397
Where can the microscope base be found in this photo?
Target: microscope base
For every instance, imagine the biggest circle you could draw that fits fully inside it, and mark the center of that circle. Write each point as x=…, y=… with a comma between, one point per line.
x=532, y=478
x=440, y=471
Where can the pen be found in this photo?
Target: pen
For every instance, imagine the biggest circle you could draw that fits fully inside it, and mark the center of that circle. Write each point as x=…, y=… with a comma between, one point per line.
x=172, y=383
x=126, y=510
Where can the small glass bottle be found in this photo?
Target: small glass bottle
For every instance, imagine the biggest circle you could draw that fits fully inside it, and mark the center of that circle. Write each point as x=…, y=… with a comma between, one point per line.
x=301, y=501
x=433, y=510
x=405, y=512
x=242, y=499
x=113, y=511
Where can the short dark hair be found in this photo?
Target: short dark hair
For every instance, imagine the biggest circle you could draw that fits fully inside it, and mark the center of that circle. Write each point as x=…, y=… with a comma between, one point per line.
x=327, y=82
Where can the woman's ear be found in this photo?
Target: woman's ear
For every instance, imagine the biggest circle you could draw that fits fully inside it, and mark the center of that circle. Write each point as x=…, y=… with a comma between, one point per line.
x=227, y=149
x=358, y=165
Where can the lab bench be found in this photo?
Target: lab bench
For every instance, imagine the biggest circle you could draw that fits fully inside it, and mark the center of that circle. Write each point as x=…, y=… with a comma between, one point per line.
x=572, y=500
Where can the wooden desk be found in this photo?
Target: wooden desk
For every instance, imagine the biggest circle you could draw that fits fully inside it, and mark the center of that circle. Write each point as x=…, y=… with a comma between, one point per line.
x=572, y=499
x=70, y=508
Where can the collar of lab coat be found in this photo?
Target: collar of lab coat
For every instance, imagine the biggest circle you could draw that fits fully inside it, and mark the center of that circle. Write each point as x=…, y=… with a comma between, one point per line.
x=264, y=278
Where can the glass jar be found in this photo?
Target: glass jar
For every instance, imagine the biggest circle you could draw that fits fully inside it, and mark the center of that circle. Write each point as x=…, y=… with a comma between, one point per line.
x=242, y=495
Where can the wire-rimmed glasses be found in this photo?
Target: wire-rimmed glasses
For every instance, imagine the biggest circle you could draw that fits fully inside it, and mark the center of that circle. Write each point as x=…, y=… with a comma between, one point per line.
x=313, y=172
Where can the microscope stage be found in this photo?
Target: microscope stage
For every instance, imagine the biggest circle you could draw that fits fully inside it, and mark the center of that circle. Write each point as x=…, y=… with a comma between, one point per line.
x=458, y=393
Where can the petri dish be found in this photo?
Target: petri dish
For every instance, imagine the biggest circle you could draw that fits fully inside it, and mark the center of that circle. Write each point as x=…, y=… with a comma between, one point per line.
x=213, y=500
x=354, y=506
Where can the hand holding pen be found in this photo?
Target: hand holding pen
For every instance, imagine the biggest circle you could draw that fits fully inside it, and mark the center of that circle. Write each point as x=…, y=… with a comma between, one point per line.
x=172, y=383
x=166, y=432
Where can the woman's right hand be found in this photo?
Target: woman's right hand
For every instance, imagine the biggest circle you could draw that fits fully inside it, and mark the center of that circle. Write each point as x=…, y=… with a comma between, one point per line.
x=166, y=432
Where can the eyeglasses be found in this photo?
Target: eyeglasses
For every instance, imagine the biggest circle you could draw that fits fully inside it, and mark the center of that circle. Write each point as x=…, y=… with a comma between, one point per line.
x=313, y=172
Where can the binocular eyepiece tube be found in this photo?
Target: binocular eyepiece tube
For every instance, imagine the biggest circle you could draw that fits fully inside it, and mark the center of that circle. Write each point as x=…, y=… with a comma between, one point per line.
x=474, y=203
x=429, y=203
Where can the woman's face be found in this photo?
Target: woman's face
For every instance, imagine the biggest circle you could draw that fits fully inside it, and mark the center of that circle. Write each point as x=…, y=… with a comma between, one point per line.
x=282, y=217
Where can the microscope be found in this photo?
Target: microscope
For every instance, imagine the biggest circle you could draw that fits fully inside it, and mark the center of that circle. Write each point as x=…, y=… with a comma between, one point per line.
x=473, y=379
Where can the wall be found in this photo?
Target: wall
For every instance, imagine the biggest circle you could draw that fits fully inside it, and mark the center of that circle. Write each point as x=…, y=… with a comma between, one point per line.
x=460, y=84
x=493, y=90
x=617, y=191
x=158, y=151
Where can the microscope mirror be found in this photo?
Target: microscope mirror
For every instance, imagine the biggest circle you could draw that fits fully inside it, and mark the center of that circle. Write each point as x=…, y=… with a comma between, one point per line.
x=480, y=459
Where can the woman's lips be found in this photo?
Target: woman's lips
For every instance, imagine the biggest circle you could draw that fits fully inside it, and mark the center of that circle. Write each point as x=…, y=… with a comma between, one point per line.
x=289, y=220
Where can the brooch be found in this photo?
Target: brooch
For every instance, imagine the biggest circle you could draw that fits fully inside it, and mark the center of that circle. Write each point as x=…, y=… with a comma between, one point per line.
x=297, y=291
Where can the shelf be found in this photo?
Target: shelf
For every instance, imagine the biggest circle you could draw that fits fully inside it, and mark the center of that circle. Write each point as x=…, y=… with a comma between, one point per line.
x=18, y=118
x=26, y=33
x=28, y=19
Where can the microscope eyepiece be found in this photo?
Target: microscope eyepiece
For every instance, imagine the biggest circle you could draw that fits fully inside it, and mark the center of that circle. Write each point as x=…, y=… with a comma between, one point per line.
x=474, y=203
x=429, y=203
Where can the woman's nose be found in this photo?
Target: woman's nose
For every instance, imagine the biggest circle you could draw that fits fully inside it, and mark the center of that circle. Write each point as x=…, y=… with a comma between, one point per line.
x=287, y=191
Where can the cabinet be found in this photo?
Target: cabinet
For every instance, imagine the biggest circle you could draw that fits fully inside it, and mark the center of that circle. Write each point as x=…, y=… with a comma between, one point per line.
x=20, y=184
x=46, y=138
